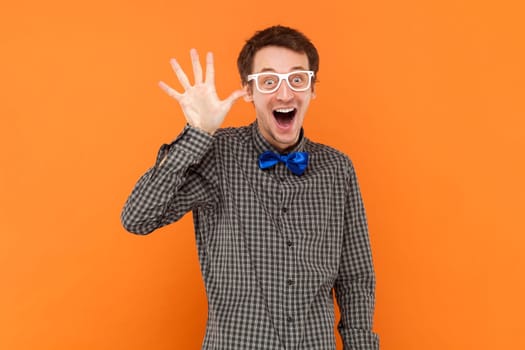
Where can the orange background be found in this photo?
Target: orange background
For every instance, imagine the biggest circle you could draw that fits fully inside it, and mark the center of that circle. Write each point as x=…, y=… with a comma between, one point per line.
x=427, y=97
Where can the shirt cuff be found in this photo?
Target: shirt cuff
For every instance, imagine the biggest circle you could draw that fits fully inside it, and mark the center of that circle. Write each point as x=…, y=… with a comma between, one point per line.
x=191, y=141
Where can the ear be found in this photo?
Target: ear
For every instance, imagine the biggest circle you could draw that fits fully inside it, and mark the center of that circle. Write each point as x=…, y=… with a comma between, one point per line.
x=249, y=96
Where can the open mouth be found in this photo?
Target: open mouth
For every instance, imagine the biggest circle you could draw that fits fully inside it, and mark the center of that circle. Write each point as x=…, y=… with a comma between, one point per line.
x=284, y=116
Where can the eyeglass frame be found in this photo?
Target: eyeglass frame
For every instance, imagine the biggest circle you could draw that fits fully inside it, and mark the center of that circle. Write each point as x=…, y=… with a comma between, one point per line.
x=281, y=76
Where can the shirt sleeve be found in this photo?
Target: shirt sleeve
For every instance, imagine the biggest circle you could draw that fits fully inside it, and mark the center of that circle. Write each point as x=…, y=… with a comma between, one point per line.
x=355, y=284
x=182, y=179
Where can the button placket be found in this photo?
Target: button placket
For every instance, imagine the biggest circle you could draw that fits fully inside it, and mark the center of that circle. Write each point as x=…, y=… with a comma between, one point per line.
x=289, y=281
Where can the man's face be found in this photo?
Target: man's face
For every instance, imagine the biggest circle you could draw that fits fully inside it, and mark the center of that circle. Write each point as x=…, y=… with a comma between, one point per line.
x=280, y=114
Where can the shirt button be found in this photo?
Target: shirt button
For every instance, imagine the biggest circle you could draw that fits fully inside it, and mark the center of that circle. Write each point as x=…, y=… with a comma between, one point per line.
x=289, y=319
x=284, y=210
x=289, y=243
x=289, y=282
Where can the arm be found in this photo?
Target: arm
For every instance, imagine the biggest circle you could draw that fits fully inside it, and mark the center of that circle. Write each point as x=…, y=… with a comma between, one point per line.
x=355, y=284
x=182, y=179
x=183, y=176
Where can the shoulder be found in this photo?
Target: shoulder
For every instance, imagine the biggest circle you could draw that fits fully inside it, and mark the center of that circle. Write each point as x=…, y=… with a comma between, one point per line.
x=338, y=165
x=327, y=155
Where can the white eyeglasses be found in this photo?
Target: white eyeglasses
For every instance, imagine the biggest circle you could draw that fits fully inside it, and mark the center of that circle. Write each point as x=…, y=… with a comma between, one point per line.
x=268, y=82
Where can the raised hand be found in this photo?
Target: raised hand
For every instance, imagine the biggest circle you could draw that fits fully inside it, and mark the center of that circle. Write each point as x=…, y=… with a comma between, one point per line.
x=199, y=102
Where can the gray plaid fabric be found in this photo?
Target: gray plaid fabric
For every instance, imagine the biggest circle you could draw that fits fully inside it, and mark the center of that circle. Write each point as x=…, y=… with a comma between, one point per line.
x=272, y=245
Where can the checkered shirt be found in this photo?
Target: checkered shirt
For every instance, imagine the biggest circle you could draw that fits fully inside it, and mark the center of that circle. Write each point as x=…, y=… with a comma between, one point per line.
x=272, y=246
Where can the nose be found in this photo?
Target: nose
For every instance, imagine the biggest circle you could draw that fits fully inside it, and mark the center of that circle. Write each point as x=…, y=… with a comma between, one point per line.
x=284, y=93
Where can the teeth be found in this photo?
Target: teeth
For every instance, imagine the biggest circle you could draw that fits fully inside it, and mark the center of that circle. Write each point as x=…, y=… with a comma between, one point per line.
x=284, y=110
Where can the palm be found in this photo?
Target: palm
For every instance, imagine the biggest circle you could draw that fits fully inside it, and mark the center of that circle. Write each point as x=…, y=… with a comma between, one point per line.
x=202, y=106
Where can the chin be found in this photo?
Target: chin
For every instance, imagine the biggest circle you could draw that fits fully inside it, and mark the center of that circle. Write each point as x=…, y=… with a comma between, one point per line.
x=286, y=141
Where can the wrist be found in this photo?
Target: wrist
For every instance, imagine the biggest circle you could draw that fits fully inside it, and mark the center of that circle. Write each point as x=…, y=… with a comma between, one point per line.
x=208, y=130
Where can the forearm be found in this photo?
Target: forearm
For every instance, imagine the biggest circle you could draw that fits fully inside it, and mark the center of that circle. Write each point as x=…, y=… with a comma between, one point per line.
x=356, y=299
x=173, y=186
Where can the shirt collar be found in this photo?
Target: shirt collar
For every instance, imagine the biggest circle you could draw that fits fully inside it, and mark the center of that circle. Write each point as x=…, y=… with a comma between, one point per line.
x=261, y=144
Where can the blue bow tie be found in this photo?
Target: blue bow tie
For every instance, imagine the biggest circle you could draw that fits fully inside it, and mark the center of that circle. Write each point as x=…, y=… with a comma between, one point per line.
x=295, y=161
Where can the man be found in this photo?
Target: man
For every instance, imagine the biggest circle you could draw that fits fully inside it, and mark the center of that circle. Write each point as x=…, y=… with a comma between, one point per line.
x=279, y=220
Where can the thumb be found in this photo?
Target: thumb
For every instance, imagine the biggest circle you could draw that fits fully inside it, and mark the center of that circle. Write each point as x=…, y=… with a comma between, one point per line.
x=236, y=95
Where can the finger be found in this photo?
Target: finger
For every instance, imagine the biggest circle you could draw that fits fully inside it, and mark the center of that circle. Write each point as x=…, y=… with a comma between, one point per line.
x=197, y=69
x=183, y=79
x=170, y=91
x=210, y=70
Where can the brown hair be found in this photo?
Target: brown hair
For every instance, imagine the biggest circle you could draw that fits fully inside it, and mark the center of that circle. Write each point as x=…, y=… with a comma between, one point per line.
x=276, y=36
